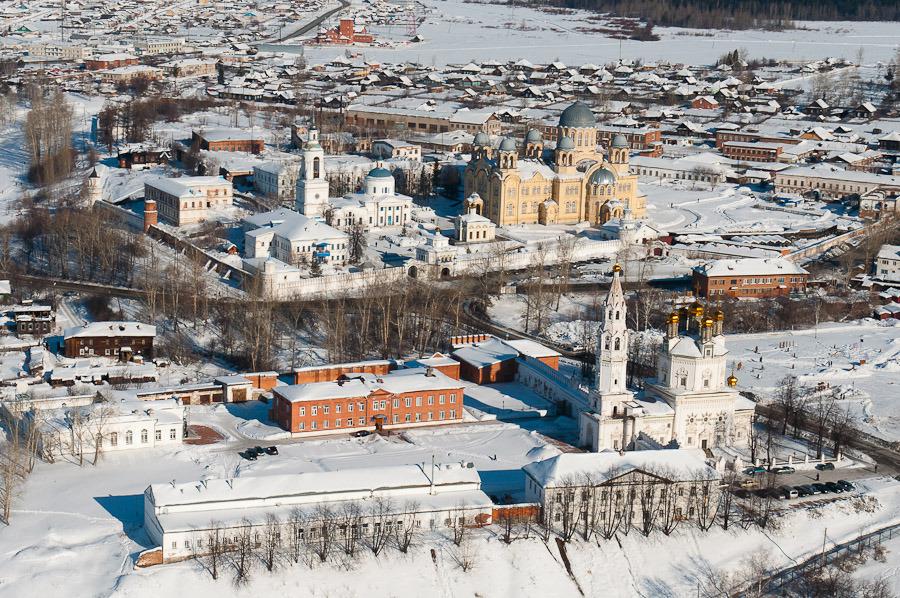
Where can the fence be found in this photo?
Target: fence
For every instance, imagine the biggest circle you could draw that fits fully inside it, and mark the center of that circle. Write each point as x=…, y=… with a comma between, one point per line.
x=551, y=384
x=786, y=577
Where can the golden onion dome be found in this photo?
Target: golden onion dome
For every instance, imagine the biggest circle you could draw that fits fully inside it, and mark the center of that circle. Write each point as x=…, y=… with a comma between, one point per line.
x=708, y=322
x=617, y=268
x=732, y=380
x=673, y=317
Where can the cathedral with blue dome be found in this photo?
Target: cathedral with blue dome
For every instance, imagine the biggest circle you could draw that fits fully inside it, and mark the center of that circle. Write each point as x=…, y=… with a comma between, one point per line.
x=573, y=182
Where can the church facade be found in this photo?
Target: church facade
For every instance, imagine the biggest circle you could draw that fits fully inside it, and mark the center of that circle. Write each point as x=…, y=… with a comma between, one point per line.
x=691, y=403
x=574, y=182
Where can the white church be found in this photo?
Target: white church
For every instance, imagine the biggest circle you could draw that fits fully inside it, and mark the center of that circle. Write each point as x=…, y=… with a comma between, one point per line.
x=378, y=205
x=691, y=403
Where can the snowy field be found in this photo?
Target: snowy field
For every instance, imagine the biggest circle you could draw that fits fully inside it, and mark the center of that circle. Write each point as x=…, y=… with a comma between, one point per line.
x=680, y=209
x=831, y=354
x=76, y=531
x=457, y=32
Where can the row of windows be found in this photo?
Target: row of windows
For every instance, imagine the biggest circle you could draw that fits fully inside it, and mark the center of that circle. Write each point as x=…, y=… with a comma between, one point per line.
x=407, y=418
x=113, y=437
x=379, y=405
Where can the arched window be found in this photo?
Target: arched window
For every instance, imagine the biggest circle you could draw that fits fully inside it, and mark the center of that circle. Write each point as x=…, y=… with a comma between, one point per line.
x=617, y=314
x=129, y=437
x=114, y=439
x=143, y=436
x=617, y=345
x=316, y=167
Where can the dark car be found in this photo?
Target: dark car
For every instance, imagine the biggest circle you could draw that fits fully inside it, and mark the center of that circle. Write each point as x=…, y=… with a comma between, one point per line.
x=801, y=491
x=825, y=466
x=822, y=488
x=271, y=450
x=258, y=450
x=249, y=455
x=833, y=487
x=361, y=434
x=847, y=486
x=811, y=488
x=754, y=470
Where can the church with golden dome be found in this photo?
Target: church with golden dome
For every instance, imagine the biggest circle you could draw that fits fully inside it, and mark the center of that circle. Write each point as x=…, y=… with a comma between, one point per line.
x=690, y=403
x=571, y=183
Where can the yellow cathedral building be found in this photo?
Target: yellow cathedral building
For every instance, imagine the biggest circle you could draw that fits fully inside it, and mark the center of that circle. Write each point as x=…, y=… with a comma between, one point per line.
x=571, y=183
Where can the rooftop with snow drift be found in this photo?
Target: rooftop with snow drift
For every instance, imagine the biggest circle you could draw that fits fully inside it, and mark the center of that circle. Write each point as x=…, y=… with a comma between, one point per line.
x=678, y=465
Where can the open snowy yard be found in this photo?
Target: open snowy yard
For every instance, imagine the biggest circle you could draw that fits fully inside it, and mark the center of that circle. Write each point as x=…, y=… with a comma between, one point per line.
x=833, y=354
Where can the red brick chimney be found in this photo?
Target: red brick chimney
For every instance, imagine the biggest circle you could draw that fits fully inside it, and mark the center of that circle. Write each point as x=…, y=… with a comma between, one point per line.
x=150, y=214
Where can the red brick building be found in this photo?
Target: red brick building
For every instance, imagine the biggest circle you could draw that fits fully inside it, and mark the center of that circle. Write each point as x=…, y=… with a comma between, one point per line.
x=109, y=61
x=402, y=398
x=749, y=277
x=751, y=152
x=332, y=371
x=121, y=340
x=347, y=32
x=705, y=103
x=647, y=140
x=484, y=359
x=227, y=140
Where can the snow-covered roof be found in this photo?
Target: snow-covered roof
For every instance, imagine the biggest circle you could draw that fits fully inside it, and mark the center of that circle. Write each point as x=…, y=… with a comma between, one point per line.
x=673, y=464
x=227, y=135
x=889, y=252
x=93, y=329
x=313, y=486
x=359, y=385
x=750, y=267
x=531, y=348
x=186, y=185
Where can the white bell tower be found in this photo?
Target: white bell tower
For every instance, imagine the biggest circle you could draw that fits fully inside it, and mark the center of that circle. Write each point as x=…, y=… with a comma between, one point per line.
x=612, y=351
x=312, y=186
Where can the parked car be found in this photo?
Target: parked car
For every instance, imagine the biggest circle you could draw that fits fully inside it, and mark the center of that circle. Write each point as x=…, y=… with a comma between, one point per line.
x=784, y=469
x=271, y=450
x=249, y=455
x=784, y=493
x=259, y=450
x=847, y=486
x=833, y=487
x=822, y=488
x=754, y=470
x=801, y=491
x=748, y=484
x=811, y=488
x=361, y=433
x=825, y=466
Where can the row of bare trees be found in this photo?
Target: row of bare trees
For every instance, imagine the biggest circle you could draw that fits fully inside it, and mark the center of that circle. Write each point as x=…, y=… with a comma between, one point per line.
x=318, y=534
x=645, y=501
x=17, y=456
x=48, y=136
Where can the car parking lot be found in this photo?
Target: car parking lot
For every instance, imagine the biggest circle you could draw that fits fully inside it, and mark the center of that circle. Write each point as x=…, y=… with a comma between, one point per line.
x=804, y=486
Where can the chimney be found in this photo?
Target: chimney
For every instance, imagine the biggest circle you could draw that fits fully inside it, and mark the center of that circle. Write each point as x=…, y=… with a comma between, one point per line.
x=429, y=371
x=151, y=216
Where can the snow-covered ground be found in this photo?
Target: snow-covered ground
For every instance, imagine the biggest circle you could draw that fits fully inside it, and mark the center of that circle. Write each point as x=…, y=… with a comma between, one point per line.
x=76, y=530
x=675, y=207
x=833, y=354
x=456, y=31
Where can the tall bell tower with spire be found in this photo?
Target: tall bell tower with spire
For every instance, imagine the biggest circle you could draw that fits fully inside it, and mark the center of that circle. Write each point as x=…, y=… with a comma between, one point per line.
x=610, y=389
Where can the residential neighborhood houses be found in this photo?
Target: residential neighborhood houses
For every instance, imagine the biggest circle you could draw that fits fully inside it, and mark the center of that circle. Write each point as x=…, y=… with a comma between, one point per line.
x=393, y=298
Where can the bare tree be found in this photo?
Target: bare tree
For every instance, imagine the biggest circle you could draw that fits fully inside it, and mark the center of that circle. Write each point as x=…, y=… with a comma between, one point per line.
x=320, y=539
x=380, y=515
x=271, y=543
x=242, y=557
x=211, y=551
x=407, y=528
x=297, y=524
x=457, y=523
x=350, y=524
x=726, y=498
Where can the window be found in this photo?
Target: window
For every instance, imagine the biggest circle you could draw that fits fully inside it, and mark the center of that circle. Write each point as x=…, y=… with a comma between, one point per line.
x=314, y=410
x=349, y=422
x=418, y=401
x=442, y=415
x=325, y=409
x=362, y=421
x=409, y=401
x=396, y=419
x=114, y=439
x=337, y=408
x=158, y=435
x=349, y=407
x=441, y=399
x=396, y=403
x=337, y=422
x=129, y=437
x=431, y=399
